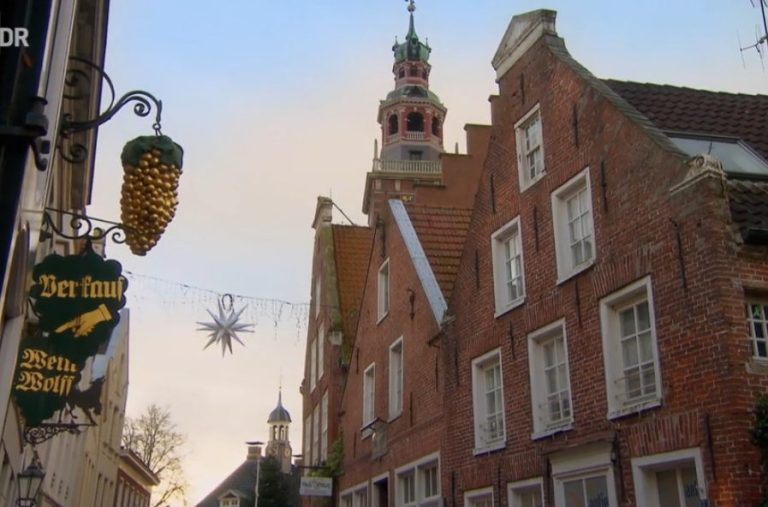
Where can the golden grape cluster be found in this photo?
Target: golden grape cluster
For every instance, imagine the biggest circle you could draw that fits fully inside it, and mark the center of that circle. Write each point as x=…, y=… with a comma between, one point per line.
x=149, y=200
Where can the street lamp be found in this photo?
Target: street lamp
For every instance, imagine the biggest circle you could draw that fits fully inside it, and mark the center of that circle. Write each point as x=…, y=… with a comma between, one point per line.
x=30, y=479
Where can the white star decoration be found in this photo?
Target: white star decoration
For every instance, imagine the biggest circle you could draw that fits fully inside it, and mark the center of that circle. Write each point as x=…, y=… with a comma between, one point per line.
x=224, y=328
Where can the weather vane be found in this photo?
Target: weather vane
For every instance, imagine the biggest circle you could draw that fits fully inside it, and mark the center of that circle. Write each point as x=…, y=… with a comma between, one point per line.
x=225, y=325
x=411, y=5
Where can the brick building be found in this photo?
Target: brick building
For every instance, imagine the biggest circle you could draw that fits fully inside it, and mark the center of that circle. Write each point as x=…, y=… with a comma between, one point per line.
x=574, y=314
x=599, y=352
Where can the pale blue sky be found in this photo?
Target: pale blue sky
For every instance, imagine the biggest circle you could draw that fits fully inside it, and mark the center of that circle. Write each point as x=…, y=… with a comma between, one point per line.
x=275, y=104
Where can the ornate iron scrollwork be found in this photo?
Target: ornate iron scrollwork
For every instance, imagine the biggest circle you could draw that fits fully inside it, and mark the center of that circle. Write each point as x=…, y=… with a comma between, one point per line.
x=78, y=85
x=35, y=435
x=83, y=227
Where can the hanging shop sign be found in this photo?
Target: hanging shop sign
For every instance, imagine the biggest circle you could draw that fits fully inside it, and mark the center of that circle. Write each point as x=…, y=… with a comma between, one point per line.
x=76, y=299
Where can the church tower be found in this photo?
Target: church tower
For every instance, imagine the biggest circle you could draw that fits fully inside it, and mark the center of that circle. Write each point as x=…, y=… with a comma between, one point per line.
x=278, y=446
x=411, y=119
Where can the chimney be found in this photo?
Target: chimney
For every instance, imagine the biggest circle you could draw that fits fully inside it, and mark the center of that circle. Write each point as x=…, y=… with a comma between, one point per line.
x=523, y=31
x=323, y=212
x=254, y=450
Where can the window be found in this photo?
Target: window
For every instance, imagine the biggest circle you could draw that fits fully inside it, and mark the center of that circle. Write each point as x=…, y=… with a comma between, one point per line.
x=573, y=226
x=672, y=479
x=396, y=379
x=526, y=493
x=383, y=290
x=415, y=155
x=308, y=439
x=320, y=351
x=369, y=391
x=355, y=497
x=530, y=148
x=583, y=477
x=488, y=401
x=392, y=122
x=414, y=122
x=507, y=258
x=479, y=498
x=435, y=125
x=630, y=354
x=316, y=435
x=757, y=325
x=550, y=383
x=418, y=483
x=324, y=429
x=312, y=365
x=360, y=498
x=230, y=502
x=317, y=295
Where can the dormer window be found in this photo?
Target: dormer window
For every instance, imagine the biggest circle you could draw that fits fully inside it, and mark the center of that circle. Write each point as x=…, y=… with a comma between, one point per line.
x=231, y=501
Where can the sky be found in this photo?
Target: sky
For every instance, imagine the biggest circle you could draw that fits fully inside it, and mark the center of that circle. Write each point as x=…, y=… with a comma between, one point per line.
x=275, y=103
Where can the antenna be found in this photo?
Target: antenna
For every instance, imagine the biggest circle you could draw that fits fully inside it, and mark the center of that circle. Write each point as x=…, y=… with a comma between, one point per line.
x=760, y=39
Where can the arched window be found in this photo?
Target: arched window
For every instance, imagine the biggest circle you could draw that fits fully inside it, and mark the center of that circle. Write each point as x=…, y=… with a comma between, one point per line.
x=413, y=71
x=392, y=128
x=435, y=126
x=401, y=74
x=415, y=122
x=424, y=74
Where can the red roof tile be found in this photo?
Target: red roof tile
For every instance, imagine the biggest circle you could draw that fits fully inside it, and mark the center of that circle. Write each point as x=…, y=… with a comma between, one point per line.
x=352, y=251
x=441, y=232
x=700, y=111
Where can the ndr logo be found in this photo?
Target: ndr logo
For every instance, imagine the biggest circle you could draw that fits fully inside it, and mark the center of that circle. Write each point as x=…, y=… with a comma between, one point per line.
x=14, y=37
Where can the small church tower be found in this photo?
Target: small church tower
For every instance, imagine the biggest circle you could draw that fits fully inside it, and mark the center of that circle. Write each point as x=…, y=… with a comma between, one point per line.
x=279, y=446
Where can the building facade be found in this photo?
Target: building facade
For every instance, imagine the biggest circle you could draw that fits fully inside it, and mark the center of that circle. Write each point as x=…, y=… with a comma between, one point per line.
x=571, y=315
x=609, y=318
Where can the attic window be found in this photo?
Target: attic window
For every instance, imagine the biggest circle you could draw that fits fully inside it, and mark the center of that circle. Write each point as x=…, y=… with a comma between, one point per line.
x=737, y=157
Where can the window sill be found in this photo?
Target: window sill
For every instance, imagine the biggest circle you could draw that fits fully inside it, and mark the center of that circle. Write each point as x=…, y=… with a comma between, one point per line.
x=501, y=444
x=525, y=185
x=382, y=317
x=575, y=271
x=757, y=365
x=365, y=432
x=548, y=432
x=394, y=417
x=511, y=306
x=635, y=408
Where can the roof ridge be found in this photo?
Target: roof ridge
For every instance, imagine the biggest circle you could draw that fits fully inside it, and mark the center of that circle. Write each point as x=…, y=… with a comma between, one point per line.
x=686, y=88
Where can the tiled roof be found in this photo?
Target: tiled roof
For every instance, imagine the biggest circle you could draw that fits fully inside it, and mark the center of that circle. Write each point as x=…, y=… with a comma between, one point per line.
x=242, y=480
x=749, y=208
x=441, y=232
x=700, y=111
x=352, y=250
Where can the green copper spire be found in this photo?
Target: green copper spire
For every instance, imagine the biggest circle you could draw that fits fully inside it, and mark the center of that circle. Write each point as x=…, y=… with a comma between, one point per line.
x=412, y=48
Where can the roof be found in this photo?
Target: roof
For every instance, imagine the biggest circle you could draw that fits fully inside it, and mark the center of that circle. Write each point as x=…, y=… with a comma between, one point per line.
x=412, y=48
x=441, y=232
x=242, y=481
x=279, y=414
x=748, y=201
x=352, y=248
x=679, y=109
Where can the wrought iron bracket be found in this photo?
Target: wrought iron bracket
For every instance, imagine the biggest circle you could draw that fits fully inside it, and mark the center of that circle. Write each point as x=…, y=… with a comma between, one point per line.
x=78, y=86
x=38, y=434
x=83, y=227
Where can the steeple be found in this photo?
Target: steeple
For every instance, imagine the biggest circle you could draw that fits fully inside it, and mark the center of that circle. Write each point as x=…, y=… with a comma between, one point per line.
x=279, y=446
x=411, y=118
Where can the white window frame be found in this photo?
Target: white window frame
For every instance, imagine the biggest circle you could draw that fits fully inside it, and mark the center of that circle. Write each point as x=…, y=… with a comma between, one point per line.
x=644, y=473
x=316, y=435
x=320, y=352
x=308, y=438
x=527, y=486
x=324, y=428
x=566, y=267
x=396, y=379
x=762, y=320
x=613, y=357
x=383, y=291
x=351, y=497
x=369, y=397
x=537, y=371
x=318, y=295
x=470, y=496
x=479, y=402
x=582, y=463
x=312, y=365
x=499, y=241
x=416, y=469
x=523, y=168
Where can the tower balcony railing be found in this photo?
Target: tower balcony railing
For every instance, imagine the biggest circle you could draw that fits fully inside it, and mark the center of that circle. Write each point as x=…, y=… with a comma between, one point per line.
x=425, y=167
x=415, y=136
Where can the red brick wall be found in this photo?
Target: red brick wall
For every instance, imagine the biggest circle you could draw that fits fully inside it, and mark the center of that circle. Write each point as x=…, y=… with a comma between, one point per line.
x=702, y=345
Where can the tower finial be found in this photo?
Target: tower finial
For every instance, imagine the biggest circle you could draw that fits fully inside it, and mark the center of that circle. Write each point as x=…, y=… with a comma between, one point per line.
x=411, y=6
